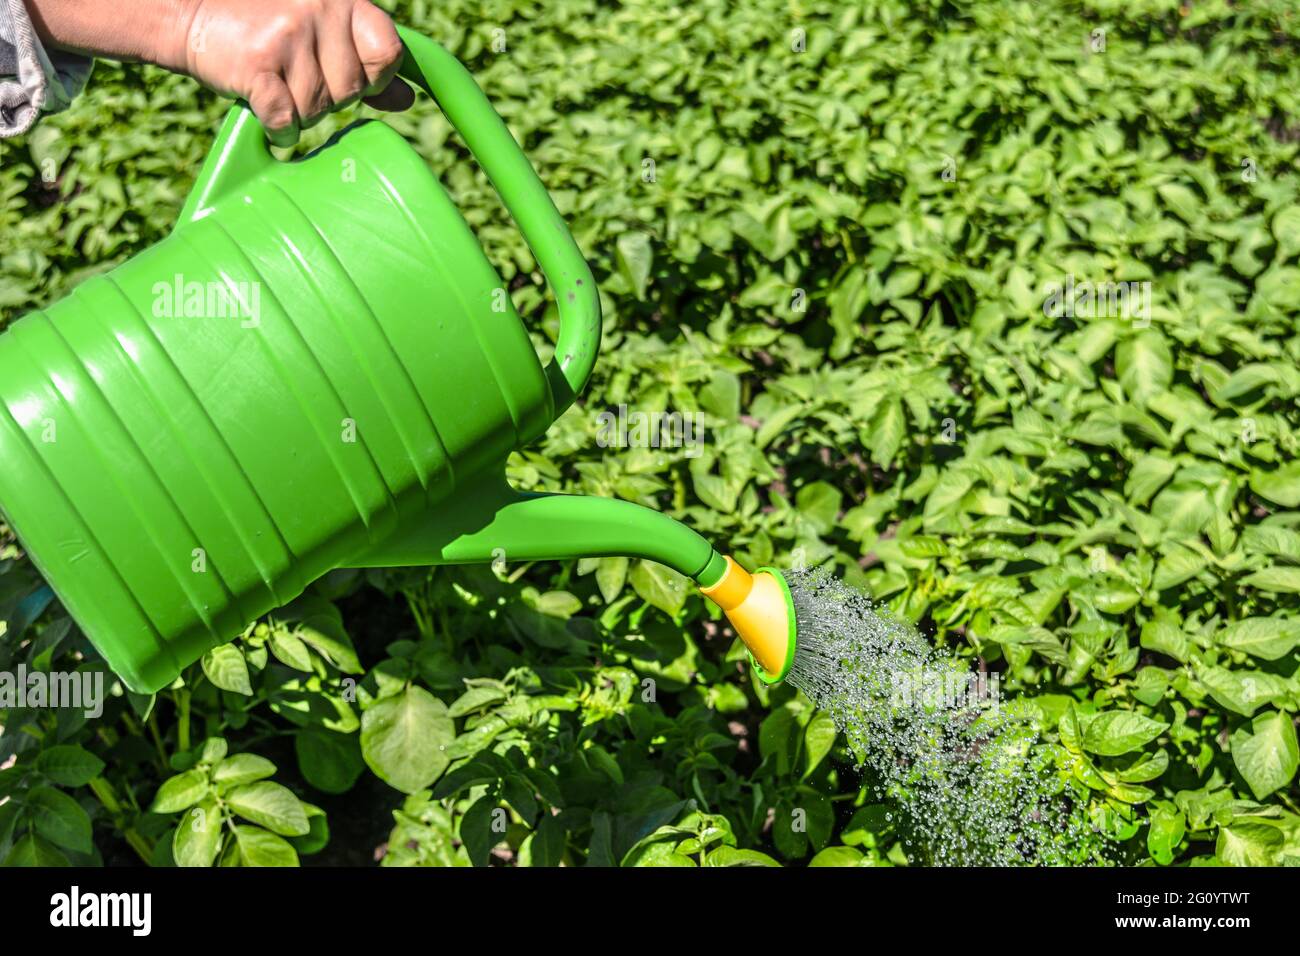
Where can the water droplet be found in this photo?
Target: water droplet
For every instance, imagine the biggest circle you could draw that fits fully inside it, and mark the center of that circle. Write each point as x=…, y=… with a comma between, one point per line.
x=967, y=779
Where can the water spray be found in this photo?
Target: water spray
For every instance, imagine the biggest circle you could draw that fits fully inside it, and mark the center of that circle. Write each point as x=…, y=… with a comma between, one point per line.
x=959, y=772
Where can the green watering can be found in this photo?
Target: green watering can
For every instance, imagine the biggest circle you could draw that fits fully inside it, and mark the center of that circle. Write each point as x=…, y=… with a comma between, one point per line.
x=318, y=368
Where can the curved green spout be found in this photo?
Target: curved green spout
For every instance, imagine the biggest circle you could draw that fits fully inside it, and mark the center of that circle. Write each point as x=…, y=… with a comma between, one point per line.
x=493, y=522
x=499, y=523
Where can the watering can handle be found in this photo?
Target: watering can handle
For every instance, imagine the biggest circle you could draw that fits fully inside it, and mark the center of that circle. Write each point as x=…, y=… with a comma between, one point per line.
x=240, y=149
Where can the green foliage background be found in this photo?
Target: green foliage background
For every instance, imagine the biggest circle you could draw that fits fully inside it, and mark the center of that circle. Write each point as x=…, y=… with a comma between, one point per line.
x=1108, y=514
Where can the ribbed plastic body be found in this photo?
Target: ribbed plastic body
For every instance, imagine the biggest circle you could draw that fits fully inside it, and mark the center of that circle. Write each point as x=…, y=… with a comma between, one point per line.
x=179, y=461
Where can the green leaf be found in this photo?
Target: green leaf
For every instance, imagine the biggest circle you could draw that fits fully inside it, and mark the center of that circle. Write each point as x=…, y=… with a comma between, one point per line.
x=921, y=546
x=902, y=282
x=258, y=847
x=8, y=822
x=1117, y=732
x=518, y=793
x=1182, y=200
x=819, y=738
x=559, y=604
x=1148, y=475
x=660, y=586
x=1177, y=566
x=660, y=854
x=240, y=769
x=801, y=821
x=1282, y=485
x=721, y=396
x=480, y=770
x=1267, y=756
x=318, y=837
x=290, y=650
x=226, y=668
x=776, y=423
x=181, y=791
x=1150, y=685
x=1242, y=692
x=950, y=489
x=329, y=761
x=320, y=625
x=545, y=846
x=1245, y=380
x=197, y=838
x=1184, y=507
x=1279, y=287
x=476, y=699
x=1268, y=638
x=213, y=751
x=475, y=829
x=1145, y=365
x=818, y=503
x=887, y=432
x=1244, y=843
x=1164, y=637
x=599, y=757
x=838, y=856
x=1271, y=539
x=59, y=818
x=635, y=257
x=778, y=739
x=32, y=850
x=1167, y=827
x=1278, y=579
x=1286, y=229
x=1037, y=639
x=731, y=856
x=271, y=805
x=404, y=739
x=1145, y=767
x=611, y=575
x=69, y=765
x=1070, y=728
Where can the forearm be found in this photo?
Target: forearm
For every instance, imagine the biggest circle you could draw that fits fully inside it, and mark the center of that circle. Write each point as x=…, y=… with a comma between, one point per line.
x=151, y=30
x=291, y=60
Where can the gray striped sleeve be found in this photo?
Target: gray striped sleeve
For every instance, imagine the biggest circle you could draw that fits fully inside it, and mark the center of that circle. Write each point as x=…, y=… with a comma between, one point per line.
x=32, y=80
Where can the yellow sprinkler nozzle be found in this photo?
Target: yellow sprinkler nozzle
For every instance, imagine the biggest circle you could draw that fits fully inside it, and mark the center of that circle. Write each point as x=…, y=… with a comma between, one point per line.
x=761, y=610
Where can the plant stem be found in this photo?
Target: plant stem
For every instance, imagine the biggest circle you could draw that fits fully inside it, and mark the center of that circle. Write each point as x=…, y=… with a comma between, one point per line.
x=103, y=790
x=183, y=727
x=157, y=739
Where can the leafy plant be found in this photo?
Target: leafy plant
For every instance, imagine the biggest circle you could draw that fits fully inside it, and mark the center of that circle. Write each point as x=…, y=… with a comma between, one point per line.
x=830, y=231
x=233, y=815
x=47, y=826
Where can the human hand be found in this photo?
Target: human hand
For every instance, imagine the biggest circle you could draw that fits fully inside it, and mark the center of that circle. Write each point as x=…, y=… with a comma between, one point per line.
x=292, y=60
